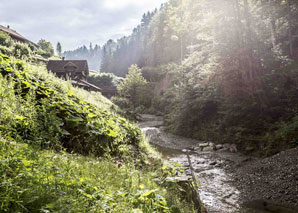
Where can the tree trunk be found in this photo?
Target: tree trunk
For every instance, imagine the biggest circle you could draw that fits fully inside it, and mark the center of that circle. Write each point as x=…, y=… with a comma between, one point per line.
x=238, y=23
x=181, y=49
x=273, y=32
x=249, y=40
x=290, y=27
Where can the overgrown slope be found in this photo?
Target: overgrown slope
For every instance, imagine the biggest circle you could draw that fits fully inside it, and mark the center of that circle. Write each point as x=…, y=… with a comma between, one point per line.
x=37, y=110
x=61, y=150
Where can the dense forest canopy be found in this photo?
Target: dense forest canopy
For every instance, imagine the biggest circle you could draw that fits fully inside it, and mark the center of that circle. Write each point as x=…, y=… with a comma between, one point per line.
x=182, y=28
x=233, y=64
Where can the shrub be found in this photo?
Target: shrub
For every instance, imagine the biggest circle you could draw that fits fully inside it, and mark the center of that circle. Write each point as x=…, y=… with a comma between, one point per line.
x=47, y=47
x=21, y=50
x=121, y=102
x=5, y=39
x=5, y=50
x=284, y=137
x=132, y=87
x=104, y=79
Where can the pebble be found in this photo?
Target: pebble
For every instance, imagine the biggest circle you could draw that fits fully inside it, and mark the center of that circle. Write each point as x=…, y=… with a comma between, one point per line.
x=203, y=144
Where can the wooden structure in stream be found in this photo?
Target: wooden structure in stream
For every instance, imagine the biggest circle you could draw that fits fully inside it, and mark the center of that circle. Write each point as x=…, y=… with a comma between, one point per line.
x=190, y=186
x=194, y=187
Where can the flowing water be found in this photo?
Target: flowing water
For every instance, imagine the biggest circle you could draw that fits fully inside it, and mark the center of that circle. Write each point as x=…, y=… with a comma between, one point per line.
x=217, y=191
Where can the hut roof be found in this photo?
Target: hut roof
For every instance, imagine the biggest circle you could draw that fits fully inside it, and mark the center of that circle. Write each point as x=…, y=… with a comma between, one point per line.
x=14, y=34
x=59, y=65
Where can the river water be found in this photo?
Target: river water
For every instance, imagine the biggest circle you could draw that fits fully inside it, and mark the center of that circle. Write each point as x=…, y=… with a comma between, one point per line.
x=218, y=192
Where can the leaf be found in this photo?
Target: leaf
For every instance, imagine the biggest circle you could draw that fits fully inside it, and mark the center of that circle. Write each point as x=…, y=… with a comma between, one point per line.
x=27, y=84
x=112, y=134
x=26, y=162
x=65, y=132
x=18, y=117
x=70, y=93
x=92, y=115
x=50, y=206
x=141, y=186
x=148, y=193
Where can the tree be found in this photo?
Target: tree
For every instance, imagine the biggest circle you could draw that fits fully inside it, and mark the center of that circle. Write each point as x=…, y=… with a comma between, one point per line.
x=132, y=86
x=59, y=49
x=47, y=47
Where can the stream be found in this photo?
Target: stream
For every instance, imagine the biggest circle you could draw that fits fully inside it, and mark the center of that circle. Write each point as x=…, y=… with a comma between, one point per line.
x=218, y=192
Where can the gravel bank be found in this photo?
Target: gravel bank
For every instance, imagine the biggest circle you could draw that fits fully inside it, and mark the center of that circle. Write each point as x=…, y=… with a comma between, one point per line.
x=272, y=180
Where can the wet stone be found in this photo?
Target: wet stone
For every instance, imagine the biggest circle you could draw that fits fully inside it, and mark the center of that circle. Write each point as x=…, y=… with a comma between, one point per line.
x=212, y=163
x=203, y=144
x=208, y=149
x=219, y=146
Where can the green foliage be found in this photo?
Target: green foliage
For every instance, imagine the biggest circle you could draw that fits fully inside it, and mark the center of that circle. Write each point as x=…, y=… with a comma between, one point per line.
x=34, y=180
x=132, y=87
x=220, y=70
x=106, y=81
x=123, y=103
x=40, y=114
x=5, y=50
x=5, y=39
x=47, y=47
x=21, y=51
x=284, y=136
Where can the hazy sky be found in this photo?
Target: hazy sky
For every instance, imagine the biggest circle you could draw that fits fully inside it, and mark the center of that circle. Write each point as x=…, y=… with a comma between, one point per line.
x=74, y=22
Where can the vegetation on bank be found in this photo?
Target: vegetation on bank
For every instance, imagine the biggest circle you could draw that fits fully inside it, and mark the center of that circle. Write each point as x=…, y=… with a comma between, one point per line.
x=221, y=70
x=61, y=152
x=133, y=92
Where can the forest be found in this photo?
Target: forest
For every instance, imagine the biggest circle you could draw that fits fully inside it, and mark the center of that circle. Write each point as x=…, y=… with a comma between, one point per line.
x=232, y=64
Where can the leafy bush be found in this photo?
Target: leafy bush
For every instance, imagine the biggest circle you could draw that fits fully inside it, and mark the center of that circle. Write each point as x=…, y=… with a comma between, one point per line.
x=5, y=39
x=104, y=79
x=21, y=50
x=5, y=50
x=132, y=87
x=284, y=137
x=123, y=103
x=47, y=47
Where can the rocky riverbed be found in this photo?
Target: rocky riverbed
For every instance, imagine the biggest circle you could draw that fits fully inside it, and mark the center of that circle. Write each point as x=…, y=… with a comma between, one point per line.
x=230, y=181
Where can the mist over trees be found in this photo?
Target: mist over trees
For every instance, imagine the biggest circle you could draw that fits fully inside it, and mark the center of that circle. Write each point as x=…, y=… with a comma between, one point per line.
x=92, y=54
x=221, y=61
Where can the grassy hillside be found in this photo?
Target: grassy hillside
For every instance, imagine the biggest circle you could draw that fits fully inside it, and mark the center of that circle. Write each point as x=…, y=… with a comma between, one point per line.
x=63, y=149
